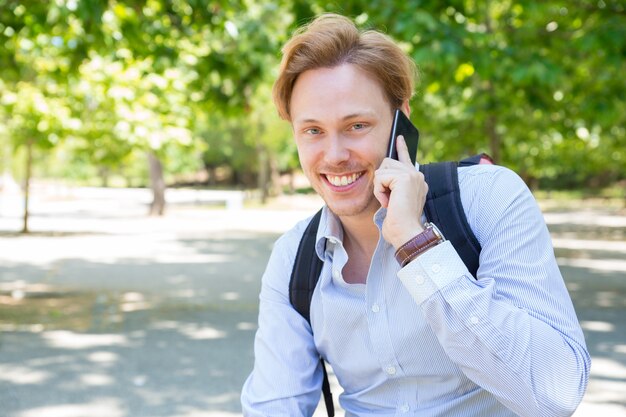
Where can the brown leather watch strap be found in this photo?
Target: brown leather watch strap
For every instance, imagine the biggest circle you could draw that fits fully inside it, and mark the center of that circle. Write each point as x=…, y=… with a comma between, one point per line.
x=419, y=244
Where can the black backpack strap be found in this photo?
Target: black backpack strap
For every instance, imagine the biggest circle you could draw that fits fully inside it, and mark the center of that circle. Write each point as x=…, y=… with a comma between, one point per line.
x=328, y=396
x=443, y=207
x=304, y=276
x=306, y=270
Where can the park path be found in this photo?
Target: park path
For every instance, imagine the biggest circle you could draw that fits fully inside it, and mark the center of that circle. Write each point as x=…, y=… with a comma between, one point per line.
x=106, y=312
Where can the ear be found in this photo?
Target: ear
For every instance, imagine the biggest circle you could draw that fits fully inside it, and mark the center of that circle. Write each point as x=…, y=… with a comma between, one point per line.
x=406, y=109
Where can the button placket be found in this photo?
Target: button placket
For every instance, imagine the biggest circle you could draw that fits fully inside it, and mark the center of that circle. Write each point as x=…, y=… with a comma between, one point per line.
x=381, y=267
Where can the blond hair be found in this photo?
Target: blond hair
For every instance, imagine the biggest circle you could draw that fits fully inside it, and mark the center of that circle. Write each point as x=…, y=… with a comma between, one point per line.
x=332, y=40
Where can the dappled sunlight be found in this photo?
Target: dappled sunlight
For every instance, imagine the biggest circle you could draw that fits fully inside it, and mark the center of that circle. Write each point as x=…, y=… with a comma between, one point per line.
x=109, y=407
x=597, y=326
x=161, y=314
x=224, y=398
x=593, y=218
x=106, y=250
x=103, y=357
x=191, y=330
x=246, y=326
x=600, y=265
x=197, y=413
x=196, y=332
x=582, y=244
x=96, y=380
x=20, y=375
x=134, y=301
x=230, y=296
x=608, y=368
x=63, y=339
x=184, y=293
x=177, y=279
x=603, y=408
x=165, y=325
x=591, y=252
x=608, y=299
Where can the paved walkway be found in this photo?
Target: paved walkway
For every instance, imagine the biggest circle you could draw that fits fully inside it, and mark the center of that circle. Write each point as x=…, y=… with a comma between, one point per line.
x=106, y=312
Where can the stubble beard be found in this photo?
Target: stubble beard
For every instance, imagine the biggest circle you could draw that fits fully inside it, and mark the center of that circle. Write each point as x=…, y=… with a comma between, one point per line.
x=364, y=204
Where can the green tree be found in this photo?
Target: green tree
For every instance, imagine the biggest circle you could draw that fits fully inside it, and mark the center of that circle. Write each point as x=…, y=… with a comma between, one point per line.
x=38, y=121
x=536, y=84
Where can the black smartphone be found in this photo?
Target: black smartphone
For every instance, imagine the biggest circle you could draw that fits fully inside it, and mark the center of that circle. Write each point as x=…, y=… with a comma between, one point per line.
x=402, y=126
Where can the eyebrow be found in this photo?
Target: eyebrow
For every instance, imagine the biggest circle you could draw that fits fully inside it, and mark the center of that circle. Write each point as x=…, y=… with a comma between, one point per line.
x=366, y=113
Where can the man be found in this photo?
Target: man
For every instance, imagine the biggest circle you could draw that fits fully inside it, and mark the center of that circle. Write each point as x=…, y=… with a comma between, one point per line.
x=423, y=338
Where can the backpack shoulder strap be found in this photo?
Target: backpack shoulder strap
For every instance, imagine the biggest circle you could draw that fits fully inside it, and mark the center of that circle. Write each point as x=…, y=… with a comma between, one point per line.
x=444, y=208
x=304, y=276
x=306, y=270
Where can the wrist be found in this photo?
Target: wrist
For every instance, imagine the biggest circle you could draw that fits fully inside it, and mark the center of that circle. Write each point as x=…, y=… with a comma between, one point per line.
x=408, y=233
x=428, y=238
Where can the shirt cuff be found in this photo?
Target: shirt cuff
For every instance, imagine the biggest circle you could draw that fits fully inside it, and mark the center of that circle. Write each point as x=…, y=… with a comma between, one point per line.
x=431, y=271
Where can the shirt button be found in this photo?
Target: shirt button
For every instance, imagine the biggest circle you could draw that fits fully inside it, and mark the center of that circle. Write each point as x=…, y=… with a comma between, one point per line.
x=404, y=408
x=375, y=308
x=336, y=274
x=474, y=320
x=436, y=268
x=391, y=370
x=419, y=279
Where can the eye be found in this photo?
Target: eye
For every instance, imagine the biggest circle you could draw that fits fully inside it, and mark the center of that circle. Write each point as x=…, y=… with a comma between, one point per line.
x=312, y=131
x=358, y=126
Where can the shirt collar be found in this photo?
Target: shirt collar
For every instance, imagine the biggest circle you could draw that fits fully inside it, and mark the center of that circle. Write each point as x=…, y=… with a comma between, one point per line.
x=330, y=228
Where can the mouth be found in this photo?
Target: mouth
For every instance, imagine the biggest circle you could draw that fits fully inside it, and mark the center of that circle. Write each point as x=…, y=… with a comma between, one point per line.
x=343, y=180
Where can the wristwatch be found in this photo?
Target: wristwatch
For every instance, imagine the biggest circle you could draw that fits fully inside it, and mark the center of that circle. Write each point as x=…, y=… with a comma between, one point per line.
x=430, y=237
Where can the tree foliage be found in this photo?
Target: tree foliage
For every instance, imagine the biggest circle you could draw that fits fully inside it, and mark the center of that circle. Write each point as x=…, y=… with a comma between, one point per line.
x=536, y=84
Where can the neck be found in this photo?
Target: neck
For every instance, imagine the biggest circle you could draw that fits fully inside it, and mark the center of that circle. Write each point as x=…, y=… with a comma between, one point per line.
x=360, y=234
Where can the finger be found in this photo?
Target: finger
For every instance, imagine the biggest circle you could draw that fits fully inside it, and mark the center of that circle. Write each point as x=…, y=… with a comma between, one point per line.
x=381, y=193
x=403, y=151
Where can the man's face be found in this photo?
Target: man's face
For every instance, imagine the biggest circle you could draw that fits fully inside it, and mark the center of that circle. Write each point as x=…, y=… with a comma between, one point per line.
x=341, y=121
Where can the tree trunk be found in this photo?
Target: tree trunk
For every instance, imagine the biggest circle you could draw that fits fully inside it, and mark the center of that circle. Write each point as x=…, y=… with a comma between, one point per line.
x=104, y=176
x=29, y=169
x=275, y=184
x=211, y=176
x=263, y=178
x=157, y=184
x=292, y=181
x=495, y=142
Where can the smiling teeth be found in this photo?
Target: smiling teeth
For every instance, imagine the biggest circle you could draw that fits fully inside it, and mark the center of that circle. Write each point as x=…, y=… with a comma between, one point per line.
x=342, y=180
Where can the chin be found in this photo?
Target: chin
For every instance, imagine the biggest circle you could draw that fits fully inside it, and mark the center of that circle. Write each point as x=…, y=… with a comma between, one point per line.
x=348, y=209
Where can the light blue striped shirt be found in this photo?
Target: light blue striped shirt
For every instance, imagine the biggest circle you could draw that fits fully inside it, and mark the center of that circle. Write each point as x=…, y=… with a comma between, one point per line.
x=428, y=339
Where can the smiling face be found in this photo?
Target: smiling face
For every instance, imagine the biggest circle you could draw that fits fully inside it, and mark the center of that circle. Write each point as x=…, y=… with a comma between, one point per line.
x=341, y=121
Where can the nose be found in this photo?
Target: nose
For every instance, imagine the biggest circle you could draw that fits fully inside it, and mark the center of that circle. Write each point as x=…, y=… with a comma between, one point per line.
x=336, y=151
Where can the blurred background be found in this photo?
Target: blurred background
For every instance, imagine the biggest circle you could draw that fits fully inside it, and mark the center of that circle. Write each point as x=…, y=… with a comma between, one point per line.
x=111, y=111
